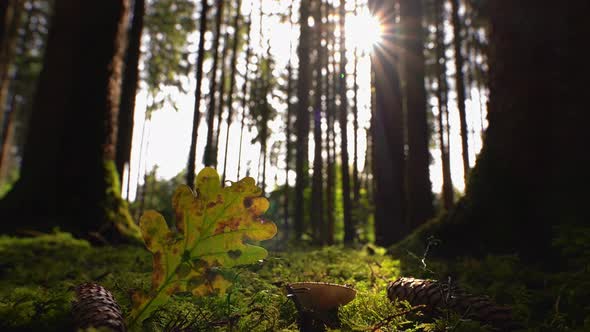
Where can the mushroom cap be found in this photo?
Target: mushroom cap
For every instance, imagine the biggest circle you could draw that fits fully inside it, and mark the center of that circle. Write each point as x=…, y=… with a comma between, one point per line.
x=321, y=296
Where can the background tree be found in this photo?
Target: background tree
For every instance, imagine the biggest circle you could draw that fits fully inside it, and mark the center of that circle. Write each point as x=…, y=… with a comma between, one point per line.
x=531, y=151
x=387, y=131
x=190, y=174
x=78, y=96
x=420, y=207
x=302, y=123
x=129, y=90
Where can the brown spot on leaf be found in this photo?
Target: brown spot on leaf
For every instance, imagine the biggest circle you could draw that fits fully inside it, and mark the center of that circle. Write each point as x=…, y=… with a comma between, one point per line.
x=248, y=202
x=230, y=225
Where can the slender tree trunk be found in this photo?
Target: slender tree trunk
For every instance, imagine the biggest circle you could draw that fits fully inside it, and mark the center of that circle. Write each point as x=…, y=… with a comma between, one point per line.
x=244, y=93
x=10, y=18
x=288, y=157
x=222, y=87
x=190, y=174
x=349, y=231
x=210, y=152
x=387, y=130
x=129, y=89
x=441, y=95
x=460, y=84
x=232, y=83
x=420, y=207
x=356, y=185
x=302, y=124
x=317, y=180
x=70, y=149
x=331, y=114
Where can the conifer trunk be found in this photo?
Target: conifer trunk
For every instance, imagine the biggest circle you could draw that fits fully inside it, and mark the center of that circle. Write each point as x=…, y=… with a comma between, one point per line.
x=387, y=131
x=302, y=123
x=288, y=144
x=10, y=18
x=317, y=180
x=70, y=148
x=460, y=83
x=244, y=93
x=349, y=231
x=210, y=152
x=419, y=188
x=232, y=83
x=129, y=89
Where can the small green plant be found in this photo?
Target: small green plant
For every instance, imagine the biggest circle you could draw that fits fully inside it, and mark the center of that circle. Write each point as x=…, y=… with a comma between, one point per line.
x=211, y=228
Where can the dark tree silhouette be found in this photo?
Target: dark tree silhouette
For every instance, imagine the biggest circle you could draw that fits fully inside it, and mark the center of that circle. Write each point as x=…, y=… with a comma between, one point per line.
x=419, y=191
x=129, y=89
x=190, y=174
x=387, y=131
x=302, y=123
x=317, y=200
x=70, y=149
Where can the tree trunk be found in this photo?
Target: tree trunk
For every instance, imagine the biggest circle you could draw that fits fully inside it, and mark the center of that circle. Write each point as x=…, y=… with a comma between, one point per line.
x=460, y=84
x=232, y=83
x=288, y=144
x=222, y=87
x=388, y=135
x=10, y=18
x=70, y=149
x=129, y=89
x=244, y=93
x=6, y=139
x=441, y=95
x=532, y=152
x=420, y=207
x=349, y=230
x=316, y=215
x=302, y=124
x=356, y=185
x=192, y=155
x=331, y=117
x=210, y=152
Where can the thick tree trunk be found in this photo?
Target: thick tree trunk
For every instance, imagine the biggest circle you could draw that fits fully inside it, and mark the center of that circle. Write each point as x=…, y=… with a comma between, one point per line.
x=302, y=124
x=10, y=18
x=349, y=229
x=441, y=95
x=531, y=176
x=192, y=155
x=129, y=89
x=232, y=83
x=460, y=83
x=70, y=149
x=420, y=207
x=6, y=139
x=388, y=135
x=210, y=152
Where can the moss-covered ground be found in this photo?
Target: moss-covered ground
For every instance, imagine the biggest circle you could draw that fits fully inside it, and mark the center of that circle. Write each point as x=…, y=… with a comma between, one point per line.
x=37, y=276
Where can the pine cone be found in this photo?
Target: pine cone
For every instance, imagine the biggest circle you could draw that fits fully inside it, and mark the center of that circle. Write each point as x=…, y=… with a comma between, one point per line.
x=440, y=296
x=96, y=307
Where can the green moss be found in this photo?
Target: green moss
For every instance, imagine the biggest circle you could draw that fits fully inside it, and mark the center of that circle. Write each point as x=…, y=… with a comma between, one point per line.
x=115, y=208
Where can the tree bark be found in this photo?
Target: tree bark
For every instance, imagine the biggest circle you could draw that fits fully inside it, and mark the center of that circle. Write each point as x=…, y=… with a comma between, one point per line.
x=302, y=124
x=317, y=200
x=129, y=89
x=532, y=151
x=420, y=207
x=387, y=130
x=190, y=174
x=349, y=229
x=331, y=91
x=210, y=152
x=356, y=185
x=244, y=93
x=232, y=83
x=10, y=18
x=460, y=84
x=70, y=149
x=441, y=95
x=222, y=86
x=288, y=156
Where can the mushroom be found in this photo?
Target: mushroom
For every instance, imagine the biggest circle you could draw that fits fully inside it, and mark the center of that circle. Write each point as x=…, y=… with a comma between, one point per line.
x=318, y=302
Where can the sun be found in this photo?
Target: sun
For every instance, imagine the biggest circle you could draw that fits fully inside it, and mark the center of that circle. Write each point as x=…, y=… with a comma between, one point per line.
x=364, y=31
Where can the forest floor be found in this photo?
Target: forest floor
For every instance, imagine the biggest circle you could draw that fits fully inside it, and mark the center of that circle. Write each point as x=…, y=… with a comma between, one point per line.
x=38, y=275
